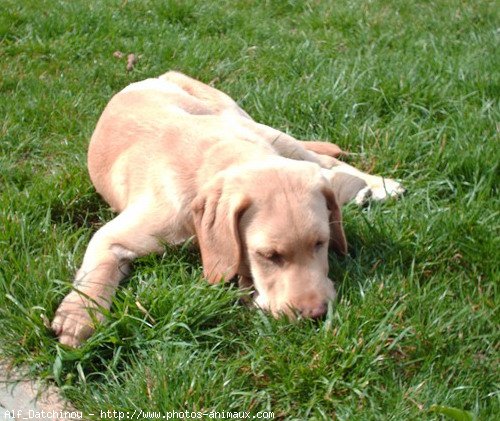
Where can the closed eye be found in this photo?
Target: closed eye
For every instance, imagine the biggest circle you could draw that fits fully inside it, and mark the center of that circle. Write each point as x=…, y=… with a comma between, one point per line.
x=272, y=257
x=319, y=245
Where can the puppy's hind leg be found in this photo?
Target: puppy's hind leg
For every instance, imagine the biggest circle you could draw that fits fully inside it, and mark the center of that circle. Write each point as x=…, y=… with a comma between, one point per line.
x=105, y=264
x=216, y=100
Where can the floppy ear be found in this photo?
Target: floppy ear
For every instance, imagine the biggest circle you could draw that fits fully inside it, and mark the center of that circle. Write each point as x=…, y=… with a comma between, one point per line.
x=337, y=236
x=216, y=214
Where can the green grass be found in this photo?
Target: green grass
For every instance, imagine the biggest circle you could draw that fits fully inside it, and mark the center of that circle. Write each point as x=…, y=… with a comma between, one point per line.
x=411, y=88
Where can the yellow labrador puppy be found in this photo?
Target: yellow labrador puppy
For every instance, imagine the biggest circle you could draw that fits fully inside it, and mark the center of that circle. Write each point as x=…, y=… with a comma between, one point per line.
x=177, y=158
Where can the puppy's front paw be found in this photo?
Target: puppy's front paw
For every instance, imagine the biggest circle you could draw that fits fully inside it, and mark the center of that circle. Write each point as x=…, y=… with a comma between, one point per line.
x=363, y=196
x=72, y=322
x=384, y=188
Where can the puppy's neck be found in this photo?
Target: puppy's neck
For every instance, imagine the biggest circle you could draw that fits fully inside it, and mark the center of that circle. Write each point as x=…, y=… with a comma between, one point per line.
x=223, y=155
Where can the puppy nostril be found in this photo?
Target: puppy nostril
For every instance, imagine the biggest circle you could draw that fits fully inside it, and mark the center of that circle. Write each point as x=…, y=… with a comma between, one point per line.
x=315, y=312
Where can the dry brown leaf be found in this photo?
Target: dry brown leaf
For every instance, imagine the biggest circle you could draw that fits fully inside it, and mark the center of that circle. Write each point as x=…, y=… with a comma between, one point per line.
x=131, y=60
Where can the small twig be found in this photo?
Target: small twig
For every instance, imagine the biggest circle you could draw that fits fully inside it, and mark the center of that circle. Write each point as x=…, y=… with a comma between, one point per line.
x=145, y=312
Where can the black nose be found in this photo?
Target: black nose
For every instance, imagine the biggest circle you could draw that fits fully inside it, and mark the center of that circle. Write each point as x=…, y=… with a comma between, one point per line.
x=314, y=312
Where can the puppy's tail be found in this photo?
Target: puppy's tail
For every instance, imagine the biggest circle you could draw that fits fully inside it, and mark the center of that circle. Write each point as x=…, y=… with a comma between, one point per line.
x=323, y=148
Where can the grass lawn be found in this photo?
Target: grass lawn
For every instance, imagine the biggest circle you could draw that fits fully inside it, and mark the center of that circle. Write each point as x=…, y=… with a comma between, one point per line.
x=411, y=88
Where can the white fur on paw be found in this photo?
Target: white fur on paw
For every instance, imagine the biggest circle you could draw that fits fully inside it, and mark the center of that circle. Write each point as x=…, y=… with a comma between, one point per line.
x=363, y=196
x=384, y=188
x=72, y=322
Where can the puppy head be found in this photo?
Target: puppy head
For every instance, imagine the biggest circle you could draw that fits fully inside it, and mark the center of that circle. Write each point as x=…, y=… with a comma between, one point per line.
x=272, y=223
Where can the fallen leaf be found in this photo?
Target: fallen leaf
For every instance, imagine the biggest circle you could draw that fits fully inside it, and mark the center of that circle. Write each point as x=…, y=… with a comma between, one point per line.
x=131, y=60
